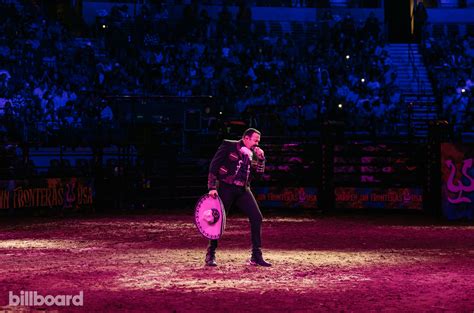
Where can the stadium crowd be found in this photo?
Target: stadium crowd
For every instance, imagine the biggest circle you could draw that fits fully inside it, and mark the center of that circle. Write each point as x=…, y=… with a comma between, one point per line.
x=54, y=77
x=449, y=57
x=50, y=76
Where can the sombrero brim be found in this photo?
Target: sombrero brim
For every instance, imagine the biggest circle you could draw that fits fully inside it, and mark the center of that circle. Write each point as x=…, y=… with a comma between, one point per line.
x=210, y=230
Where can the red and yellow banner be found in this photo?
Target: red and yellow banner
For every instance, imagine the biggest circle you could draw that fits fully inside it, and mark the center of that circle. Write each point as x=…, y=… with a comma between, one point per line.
x=49, y=192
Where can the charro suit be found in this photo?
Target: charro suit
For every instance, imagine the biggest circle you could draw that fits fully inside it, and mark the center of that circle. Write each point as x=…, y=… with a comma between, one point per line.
x=231, y=171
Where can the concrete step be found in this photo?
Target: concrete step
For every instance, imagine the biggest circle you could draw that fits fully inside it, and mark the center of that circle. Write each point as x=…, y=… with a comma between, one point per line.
x=424, y=117
x=407, y=77
x=405, y=54
x=408, y=89
x=412, y=74
x=412, y=81
x=407, y=64
x=409, y=72
x=413, y=84
x=425, y=109
x=421, y=101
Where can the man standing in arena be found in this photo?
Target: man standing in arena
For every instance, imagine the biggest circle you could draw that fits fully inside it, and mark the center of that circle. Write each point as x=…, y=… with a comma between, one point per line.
x=232, y=168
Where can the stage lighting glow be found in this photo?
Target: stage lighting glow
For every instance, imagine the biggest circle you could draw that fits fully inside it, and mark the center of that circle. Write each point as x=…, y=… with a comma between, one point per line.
x=192, y=275
x=37, y=244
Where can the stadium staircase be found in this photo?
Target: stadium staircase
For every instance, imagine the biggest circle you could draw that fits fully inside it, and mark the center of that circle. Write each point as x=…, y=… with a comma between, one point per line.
x=415, y=87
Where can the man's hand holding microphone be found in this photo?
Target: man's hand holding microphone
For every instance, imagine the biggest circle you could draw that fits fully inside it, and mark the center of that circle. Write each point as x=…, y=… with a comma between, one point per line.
x=259, y=153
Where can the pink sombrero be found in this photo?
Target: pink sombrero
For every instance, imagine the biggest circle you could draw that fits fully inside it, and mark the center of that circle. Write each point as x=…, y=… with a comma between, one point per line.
x=209, y=216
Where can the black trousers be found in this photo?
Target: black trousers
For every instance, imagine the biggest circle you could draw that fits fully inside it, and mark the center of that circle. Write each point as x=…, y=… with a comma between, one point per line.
x=243, y=198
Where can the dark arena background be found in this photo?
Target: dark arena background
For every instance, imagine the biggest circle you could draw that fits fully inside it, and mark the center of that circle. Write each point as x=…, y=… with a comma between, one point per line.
x=111, y=112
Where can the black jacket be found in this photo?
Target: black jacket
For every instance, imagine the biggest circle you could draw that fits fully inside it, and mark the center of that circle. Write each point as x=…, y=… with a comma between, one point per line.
x=227, y=161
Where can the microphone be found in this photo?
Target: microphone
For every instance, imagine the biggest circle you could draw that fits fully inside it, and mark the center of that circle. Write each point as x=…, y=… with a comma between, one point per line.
x=261, y=156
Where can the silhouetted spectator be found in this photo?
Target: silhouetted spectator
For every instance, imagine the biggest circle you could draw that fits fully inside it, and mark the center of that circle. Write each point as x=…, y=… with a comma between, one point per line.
x=420, y=16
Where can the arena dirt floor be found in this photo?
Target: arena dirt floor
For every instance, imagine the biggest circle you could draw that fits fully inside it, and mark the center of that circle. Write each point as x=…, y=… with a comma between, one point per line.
x=154, y=263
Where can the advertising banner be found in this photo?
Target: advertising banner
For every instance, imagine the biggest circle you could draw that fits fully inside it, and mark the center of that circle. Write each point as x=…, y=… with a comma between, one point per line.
x=286, y=197
x=379, y=198
x=46, y=192
x=457, y=181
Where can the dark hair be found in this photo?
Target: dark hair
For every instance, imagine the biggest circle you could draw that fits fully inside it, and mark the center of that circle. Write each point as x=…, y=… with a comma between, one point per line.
x=249, y=132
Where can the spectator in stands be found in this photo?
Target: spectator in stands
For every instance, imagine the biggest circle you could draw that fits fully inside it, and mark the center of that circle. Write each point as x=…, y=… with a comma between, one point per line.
x=420, y=17
x=106, y=113
x=372, y=26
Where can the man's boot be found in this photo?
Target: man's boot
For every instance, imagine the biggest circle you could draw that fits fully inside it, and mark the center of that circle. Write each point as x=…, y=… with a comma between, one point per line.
x=257, y=259
x=211, y=257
